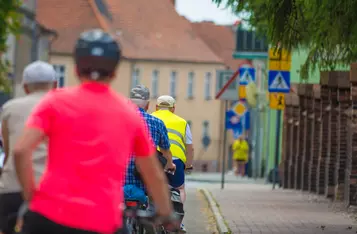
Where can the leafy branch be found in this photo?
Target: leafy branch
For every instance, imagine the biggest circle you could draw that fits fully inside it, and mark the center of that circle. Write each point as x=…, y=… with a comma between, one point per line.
x=327, y=29
x=10, y=20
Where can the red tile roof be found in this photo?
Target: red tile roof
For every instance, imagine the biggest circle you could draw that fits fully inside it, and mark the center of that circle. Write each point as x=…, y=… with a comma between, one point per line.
x=149, y=30
x=68, y=18
x=221, y=40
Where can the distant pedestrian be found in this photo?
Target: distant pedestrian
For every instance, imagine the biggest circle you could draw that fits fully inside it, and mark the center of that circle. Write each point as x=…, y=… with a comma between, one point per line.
x=240, y=149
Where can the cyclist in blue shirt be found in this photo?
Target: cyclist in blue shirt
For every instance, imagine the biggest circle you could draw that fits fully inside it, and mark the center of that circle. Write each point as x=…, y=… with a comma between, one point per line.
x=140, y=95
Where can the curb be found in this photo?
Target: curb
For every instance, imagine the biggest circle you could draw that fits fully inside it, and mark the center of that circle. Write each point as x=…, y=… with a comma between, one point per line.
x=220, y=222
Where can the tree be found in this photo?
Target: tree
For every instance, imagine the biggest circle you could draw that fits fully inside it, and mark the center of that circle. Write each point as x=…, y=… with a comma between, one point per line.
x=326, y=28
x=10, y=20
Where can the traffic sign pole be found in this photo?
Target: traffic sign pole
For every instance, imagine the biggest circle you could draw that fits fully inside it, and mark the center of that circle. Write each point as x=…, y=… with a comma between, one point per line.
x=224, y=148
x=277, y=147
x=278, y=84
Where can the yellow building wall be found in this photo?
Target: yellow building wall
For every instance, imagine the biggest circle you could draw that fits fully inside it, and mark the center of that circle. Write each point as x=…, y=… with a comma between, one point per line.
x=197, y=109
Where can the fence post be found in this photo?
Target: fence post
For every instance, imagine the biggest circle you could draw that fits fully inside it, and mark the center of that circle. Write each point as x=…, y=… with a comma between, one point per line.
x=310, y=133
x=343, y=99
x=296, y=123
x=286, y=141
x=331, y=78
x=315, y=139
x=351, y=170
x=302, y=128
x=324, y=124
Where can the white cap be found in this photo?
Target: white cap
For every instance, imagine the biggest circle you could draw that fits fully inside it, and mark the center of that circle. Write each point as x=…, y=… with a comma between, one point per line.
x=39, y=72
x=166, y=101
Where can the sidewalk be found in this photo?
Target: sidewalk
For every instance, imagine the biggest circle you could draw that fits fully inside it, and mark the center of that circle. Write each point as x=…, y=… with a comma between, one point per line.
x=217, y=178
x=254, y=208
x=198, y=218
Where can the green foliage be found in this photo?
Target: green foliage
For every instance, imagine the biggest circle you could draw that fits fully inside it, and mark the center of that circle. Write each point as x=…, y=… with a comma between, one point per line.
x=10, y=24
x=328, y=29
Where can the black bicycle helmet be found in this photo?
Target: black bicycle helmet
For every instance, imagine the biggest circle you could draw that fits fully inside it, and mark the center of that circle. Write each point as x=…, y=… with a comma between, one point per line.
x=96, y=54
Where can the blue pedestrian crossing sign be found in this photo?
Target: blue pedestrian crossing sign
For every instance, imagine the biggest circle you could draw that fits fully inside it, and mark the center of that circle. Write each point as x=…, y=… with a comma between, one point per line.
x=246, y=75
x=279, y=82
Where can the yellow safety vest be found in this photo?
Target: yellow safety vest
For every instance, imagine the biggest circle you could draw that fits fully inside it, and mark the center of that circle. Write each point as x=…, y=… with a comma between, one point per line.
x=176, y=128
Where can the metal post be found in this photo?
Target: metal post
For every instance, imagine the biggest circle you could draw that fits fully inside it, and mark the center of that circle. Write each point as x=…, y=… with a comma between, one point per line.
x=277, y=147
x=224, y=146
x=267, y=152
x=256, y=139
x=261, y=146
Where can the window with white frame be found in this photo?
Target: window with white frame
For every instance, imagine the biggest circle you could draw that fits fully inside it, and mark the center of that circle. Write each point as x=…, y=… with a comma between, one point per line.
x=155, y=84
x=173, y=79
x=205, y=128
x=60, y=75
x=135, y=79
x=207, y=85
x=190, y=84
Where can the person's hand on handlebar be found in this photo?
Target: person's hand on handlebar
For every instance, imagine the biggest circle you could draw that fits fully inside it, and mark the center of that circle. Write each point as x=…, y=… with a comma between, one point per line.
x=170, y=167
x=188, y=169
x=171, y=223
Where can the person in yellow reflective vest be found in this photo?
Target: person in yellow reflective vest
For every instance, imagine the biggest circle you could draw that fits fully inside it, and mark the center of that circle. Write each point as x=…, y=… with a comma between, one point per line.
x=240, y=149
x=180, y=138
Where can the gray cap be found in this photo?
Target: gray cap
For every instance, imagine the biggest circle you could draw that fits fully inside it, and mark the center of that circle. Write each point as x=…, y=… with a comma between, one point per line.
x=39, y=72
x=140, y=92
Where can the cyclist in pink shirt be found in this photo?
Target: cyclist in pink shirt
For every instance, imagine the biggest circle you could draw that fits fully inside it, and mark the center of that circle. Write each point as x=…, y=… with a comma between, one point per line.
x=91, y=131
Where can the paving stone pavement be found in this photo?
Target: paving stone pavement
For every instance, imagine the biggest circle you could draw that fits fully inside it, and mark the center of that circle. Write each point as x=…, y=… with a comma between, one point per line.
x=198, y=218
x=253, y=208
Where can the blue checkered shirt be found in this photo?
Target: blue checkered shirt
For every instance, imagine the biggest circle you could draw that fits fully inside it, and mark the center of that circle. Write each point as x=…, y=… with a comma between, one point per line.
x=159, y=137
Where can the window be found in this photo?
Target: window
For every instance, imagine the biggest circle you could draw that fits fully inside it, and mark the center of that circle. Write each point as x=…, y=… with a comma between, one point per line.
x=190, y=83
x=208, y=80
x=155, y=84
x=205, y=128
x=135, y=79
x=173, y=84
x=60, y=75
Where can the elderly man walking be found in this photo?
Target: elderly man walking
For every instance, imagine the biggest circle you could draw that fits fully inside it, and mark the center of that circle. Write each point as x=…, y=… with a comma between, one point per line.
x=38, y=78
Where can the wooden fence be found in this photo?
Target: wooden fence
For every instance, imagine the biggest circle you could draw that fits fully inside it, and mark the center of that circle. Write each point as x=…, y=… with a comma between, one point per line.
x=320, y=137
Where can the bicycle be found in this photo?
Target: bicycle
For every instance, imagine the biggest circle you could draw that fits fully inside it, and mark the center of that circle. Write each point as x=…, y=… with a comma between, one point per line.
x=142, y=221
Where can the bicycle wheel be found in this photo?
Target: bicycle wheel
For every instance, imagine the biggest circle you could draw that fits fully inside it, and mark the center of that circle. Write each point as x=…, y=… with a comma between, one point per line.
x=131, y=225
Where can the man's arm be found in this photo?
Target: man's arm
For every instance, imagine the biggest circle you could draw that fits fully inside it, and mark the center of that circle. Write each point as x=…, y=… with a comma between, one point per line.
x=38, y=126
x=150, y=170
x=23, y=159
x=189, y=147
x=5, y=139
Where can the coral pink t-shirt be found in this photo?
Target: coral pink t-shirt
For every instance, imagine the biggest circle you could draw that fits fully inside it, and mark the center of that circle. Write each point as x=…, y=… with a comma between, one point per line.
x=91, y=132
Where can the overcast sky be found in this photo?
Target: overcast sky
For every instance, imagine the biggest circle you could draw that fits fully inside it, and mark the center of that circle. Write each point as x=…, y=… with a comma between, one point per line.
x=199, y=10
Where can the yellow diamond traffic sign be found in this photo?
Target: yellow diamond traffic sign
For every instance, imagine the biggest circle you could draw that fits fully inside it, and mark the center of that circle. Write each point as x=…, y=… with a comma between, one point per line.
x=239, y=108
x=277, y=101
